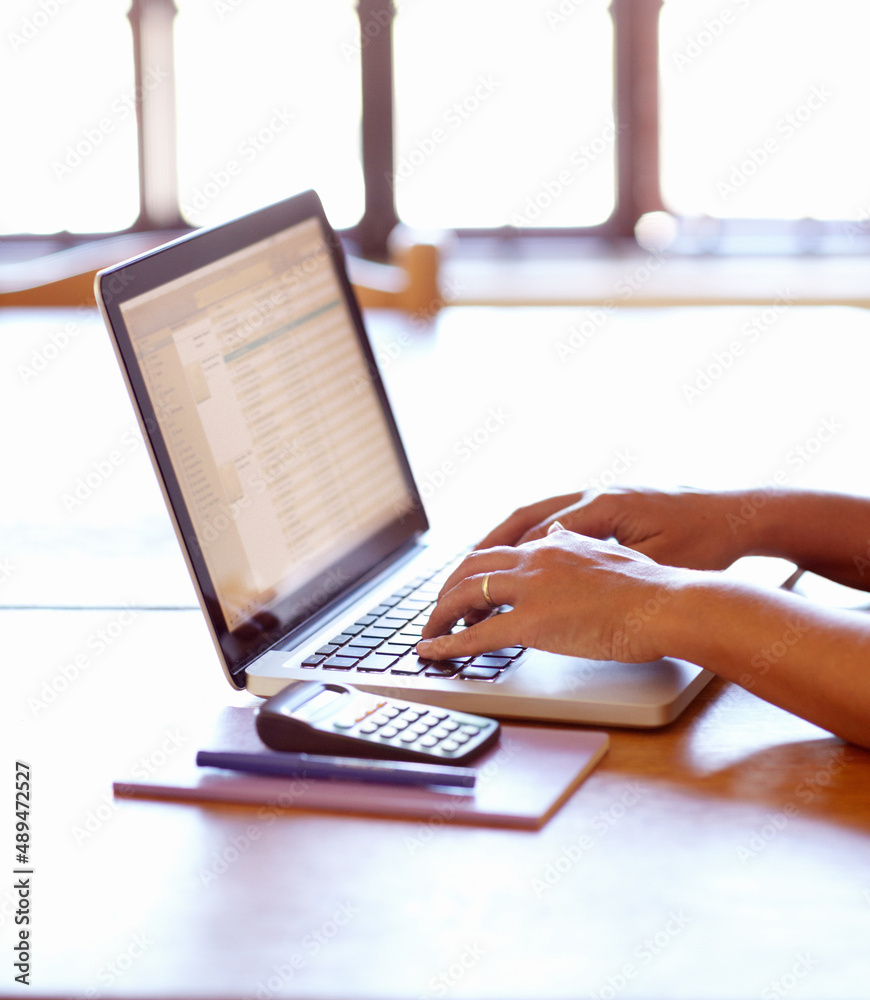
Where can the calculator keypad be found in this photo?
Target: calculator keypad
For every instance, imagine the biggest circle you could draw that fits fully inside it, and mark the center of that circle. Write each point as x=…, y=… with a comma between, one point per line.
x=434, y=732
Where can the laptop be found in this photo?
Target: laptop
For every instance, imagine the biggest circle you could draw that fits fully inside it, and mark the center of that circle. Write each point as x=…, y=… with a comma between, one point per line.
x=259, y=398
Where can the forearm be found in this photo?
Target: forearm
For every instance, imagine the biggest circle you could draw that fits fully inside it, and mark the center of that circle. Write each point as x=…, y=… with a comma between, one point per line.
x=826, y=533
x=812, y=661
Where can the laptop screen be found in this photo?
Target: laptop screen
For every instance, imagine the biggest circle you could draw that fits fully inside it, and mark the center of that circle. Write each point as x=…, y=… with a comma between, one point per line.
x=277, y=436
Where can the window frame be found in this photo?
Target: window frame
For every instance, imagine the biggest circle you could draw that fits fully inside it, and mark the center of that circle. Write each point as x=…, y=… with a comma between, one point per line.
x=635, y=24
x=637, y=187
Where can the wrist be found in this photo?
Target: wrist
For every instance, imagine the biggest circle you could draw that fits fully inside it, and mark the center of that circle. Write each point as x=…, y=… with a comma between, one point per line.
x=654, y=620
x=721, y=623
x=755, y=519
x=686, y=627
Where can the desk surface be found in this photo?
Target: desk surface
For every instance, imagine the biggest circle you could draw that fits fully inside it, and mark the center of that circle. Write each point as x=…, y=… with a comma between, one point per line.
x=727, y=855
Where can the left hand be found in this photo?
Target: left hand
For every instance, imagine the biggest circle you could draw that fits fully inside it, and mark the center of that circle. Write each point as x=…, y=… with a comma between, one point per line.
x=568, y=594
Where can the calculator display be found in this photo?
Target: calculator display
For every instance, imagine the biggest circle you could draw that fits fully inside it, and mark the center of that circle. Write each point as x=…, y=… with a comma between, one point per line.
x=307, y=710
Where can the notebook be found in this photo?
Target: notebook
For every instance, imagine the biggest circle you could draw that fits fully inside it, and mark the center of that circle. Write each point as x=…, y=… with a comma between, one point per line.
x=521, y=781
x=259, y=398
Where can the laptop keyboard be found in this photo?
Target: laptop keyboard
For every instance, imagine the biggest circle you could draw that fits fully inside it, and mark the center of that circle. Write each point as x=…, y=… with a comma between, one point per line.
x=384, y=640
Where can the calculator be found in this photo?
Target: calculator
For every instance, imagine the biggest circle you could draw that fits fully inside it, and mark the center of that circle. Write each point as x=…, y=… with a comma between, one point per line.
x=325, y=718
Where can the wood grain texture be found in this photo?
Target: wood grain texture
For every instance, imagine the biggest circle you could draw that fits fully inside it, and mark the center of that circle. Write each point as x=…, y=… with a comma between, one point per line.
x=725, y=856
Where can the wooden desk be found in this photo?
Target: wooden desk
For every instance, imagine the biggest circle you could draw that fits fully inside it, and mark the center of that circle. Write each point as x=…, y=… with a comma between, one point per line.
x=727, y=856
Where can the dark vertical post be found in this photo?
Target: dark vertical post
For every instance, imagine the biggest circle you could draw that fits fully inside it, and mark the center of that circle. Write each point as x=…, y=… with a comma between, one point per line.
x=636, y=33
x=376, y=60
x=153, y=52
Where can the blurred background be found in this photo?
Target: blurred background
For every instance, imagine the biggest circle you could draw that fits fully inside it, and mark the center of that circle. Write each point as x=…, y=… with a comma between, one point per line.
x=537, y=130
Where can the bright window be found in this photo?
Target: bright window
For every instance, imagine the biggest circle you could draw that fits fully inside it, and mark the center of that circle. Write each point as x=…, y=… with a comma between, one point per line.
x=67, y=117
x=764, y=108
x=504, y=113
x=268, y=104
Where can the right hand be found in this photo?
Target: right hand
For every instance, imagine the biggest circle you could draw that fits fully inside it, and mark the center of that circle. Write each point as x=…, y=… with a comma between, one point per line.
x=567, y=593
x=687, y=528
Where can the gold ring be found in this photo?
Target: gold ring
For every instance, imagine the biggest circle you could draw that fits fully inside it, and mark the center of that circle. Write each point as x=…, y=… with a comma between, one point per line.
x=486, y=596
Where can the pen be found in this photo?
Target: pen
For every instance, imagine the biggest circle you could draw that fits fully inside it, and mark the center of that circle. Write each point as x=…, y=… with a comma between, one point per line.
x=303, y=765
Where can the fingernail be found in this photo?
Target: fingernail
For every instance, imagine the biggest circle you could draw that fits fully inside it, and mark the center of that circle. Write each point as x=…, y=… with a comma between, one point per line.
x=555, y=526
x=424, y=646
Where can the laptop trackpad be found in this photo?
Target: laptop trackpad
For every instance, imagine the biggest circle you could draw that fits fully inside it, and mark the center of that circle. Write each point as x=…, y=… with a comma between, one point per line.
x=639, y=694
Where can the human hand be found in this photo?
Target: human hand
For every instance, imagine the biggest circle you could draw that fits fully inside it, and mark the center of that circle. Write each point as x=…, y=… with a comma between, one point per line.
x=568, y=594
x=689, y=528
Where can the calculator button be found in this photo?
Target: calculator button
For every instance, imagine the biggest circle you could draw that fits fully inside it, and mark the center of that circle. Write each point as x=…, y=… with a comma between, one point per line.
x=420, y=728
x=369, y=727
x=450, y=746
x=408, y=737
x=470, y=729
x=400, y=724
x=412, y=715
x=388, y=732
x=370, y=711
x=428, y=741
x=461, y=737
x=391, y=711
x=430, y=719
x=438, y=714
x=450, y=725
